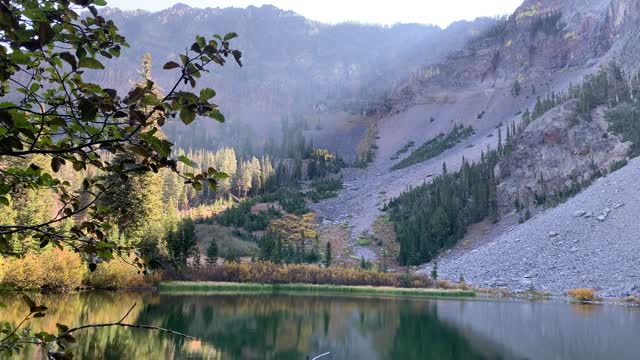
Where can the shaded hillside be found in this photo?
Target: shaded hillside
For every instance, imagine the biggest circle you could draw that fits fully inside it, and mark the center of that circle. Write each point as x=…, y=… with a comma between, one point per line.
x=292, y=65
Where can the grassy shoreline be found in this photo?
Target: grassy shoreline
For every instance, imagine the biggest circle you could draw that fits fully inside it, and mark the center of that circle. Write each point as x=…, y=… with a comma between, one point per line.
x=225, y=287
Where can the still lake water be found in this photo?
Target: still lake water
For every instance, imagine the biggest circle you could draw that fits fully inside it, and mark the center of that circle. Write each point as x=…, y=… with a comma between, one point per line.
x=294, y=327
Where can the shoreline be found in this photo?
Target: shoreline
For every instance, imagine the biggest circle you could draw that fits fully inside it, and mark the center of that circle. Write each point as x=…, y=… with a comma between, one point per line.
x=198, y=287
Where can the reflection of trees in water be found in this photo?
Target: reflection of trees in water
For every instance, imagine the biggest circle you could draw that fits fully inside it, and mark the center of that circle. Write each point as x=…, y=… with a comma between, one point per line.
x=254, y=327
x=286, y=327
x=421, y=335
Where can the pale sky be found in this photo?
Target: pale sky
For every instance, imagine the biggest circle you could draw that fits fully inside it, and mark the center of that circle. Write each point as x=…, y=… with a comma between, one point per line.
x=437, y=12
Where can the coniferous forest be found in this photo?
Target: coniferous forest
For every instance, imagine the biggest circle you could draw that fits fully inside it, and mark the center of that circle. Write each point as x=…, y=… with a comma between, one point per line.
x=435, y=216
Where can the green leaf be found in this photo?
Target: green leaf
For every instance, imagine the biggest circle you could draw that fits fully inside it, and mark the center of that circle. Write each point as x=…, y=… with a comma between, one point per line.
x=187, y=116
x=90, y=63
x=185, y=160
x=230, y=36
x=100, y=2
x=207, y=93
x=237, y=55
x=215, y=114
x=171, y=65
x=56, y=163
x=104, y=245
x=66, y=56
x=30, y=303
x=4, y=201
x=19, y=57
x=201, y=41
x=3, y=130
x=62, y=328
x=197, y=185
x=34, y=87
x=221, y=176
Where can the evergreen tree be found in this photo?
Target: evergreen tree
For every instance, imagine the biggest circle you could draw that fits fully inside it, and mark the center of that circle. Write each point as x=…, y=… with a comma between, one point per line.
x=434, y=270
x=327, y=255
x=182, y=243
x=212, y=253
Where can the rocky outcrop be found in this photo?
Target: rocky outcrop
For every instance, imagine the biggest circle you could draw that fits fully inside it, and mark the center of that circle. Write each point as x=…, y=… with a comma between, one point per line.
x=559, y=150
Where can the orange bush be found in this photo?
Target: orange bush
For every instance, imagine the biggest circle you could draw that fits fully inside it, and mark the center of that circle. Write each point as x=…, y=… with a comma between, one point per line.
x=582, y=294
x=270, y=273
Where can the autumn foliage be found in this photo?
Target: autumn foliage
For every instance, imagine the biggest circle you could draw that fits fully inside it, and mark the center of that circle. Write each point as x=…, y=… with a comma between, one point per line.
x=582, y=294
x=270, y=273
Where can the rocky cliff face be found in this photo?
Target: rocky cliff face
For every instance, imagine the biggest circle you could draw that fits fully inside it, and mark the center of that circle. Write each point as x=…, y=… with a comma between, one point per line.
x=555, y=152
x=544, y=45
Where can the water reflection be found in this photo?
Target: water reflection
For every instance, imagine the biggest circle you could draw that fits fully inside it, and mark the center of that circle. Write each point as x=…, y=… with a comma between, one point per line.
x=294, y=327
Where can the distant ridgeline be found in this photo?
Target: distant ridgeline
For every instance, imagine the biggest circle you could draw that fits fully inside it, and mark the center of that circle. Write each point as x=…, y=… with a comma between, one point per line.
x=436, y=215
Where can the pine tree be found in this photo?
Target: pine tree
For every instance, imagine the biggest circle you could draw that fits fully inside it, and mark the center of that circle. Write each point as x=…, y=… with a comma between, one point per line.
x=434, y=270
x=327, y=255
x=212, y=253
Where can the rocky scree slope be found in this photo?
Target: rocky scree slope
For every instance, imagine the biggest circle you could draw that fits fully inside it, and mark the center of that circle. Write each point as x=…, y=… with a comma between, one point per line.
x=589, y=241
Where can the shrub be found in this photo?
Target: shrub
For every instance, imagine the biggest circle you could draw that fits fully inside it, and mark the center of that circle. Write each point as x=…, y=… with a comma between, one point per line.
x=270, y=273
x=53, y=269
x=116, y=274
x=23, y=273
x=62, y=270
x=617, y=165
x=582, y=294
x=445, y=284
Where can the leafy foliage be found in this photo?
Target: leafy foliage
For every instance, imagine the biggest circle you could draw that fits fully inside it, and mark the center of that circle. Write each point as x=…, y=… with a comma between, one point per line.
x=50, y=109
x=270, y=273
x=52, y=269
x=291, y=239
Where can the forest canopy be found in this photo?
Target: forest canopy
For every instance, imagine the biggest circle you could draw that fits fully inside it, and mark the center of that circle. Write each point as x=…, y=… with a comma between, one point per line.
x=68, y=141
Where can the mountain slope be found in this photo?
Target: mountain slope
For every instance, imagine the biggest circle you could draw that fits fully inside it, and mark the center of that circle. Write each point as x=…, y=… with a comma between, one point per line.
x=589, y=241
x=292, y=67
x=543, y=47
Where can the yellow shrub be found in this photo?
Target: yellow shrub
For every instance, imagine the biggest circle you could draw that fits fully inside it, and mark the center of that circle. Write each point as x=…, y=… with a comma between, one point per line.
x=582, y=294
x=462, y=286
x=445, y=284
x=23, y=273
x=62, y=270
x=115, y=274
x=53, y=269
